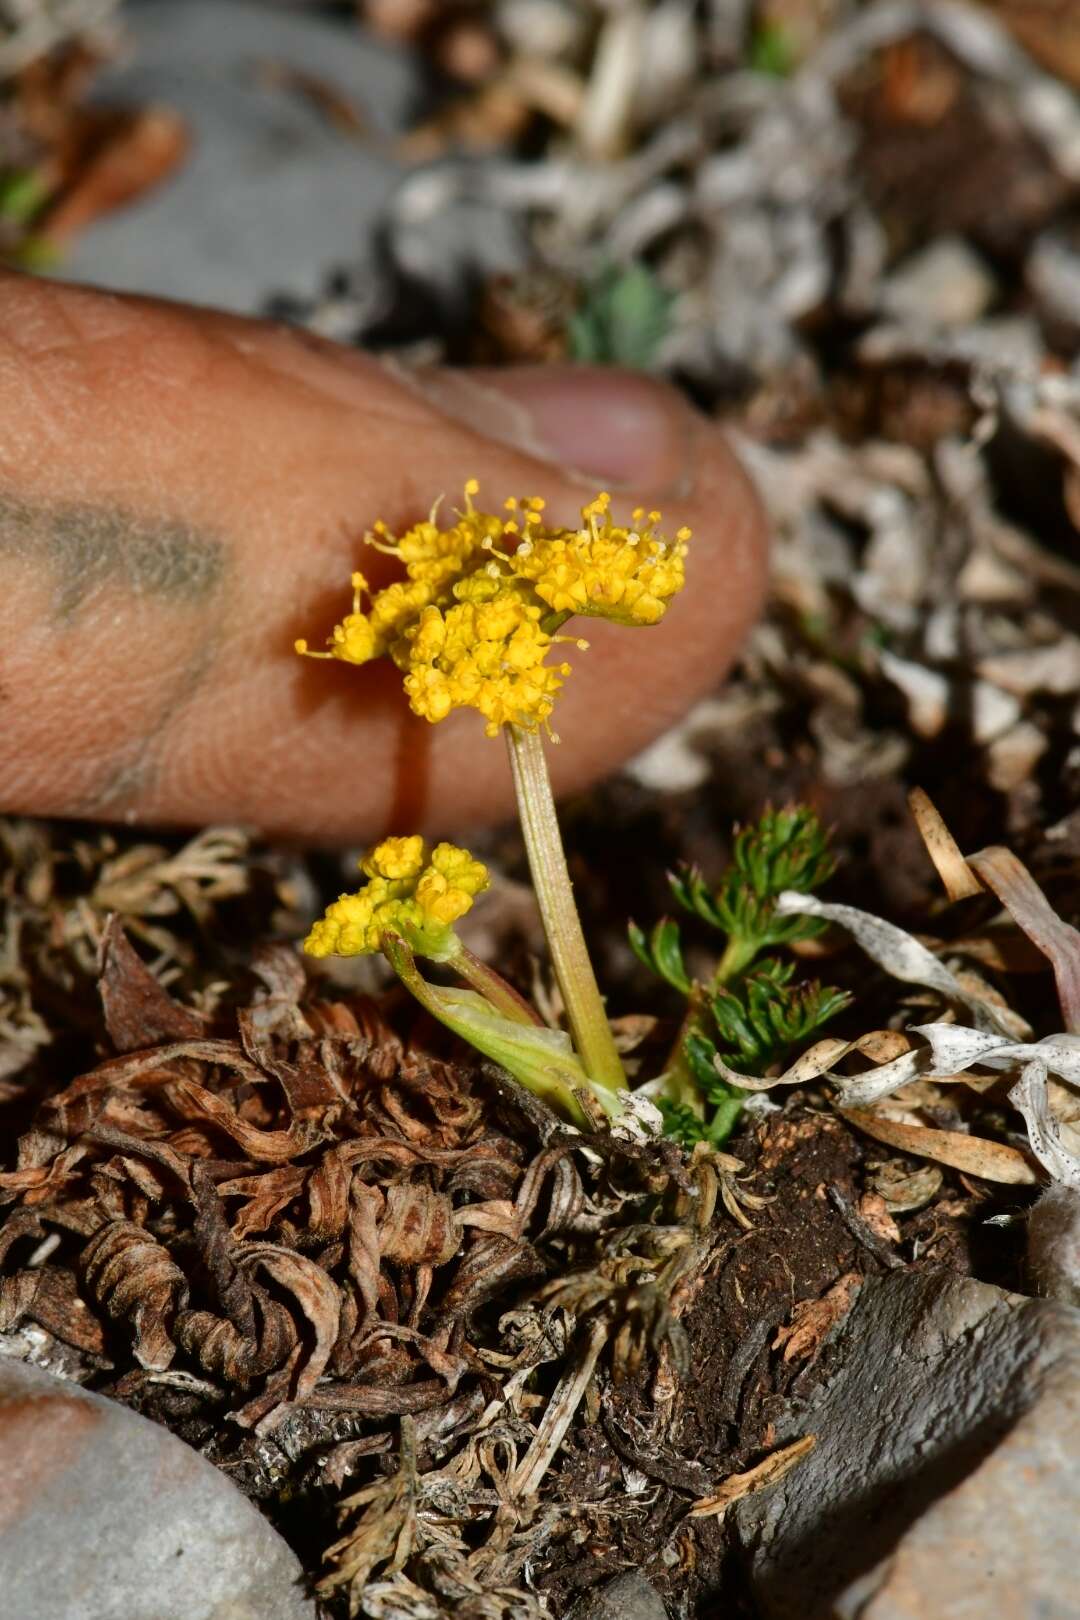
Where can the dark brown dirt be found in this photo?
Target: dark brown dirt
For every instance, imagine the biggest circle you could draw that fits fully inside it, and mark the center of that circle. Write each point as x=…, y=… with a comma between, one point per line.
x=724, y=1414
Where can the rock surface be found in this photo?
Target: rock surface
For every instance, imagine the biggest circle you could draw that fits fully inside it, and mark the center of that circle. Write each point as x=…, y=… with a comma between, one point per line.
x=272, y=194
x=105, y=1516
x=627, y=1597
x=945, y=1484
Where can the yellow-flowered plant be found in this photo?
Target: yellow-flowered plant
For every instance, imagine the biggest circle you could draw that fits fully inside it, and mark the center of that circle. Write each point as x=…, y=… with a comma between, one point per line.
x=474, y=621
x=473, y=625
x=407, y=908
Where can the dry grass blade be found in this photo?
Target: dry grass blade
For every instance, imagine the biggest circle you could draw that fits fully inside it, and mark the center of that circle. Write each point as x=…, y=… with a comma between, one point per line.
x=766, y=1473
x=525, y=1481
x=959, y=880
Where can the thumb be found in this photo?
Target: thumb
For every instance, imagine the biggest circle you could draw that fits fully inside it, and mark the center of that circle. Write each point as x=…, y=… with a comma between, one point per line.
x=183, y=493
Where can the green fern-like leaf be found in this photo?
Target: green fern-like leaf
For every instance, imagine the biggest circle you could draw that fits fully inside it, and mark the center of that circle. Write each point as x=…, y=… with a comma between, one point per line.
x=761, y=1017
x=661, y=951
x=749, y=1014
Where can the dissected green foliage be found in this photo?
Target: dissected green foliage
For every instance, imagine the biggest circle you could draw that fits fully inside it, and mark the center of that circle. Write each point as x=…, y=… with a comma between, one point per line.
x=748, y=1011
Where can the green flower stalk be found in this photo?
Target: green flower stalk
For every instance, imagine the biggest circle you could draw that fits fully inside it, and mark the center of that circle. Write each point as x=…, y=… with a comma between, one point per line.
x=555, y=896
x=473, y=625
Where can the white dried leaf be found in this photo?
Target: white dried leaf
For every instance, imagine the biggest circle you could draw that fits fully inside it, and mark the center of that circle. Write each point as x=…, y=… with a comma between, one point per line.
x=926, y=691
x=1053, y=669
x=887, y=1046
x=902, y=956
x=954, y=1048
x=1012, y=757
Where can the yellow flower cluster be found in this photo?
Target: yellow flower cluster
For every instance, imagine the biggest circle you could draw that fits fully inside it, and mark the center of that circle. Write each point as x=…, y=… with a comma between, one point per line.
x=606, y=572
x=486, y=651
x=408, y=892
x=466, y=627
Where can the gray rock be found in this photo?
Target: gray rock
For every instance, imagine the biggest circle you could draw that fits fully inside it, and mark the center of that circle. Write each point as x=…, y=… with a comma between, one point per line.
x=106, y=1516
x=272, y=195
x=626, y=1597
x=945, y=1484
x=1054, y=1244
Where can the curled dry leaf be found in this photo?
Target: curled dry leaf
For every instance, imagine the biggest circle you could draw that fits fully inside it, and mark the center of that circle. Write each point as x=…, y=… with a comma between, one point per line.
x=50, y=1297
x=138, y=1011
x=316, y=1294
x=884, y=1046
x=132, y=1275
x=418, y=1226
x=1029, y=1097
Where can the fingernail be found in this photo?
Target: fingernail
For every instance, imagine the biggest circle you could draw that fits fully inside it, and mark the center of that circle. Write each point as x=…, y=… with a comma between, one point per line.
x=618, y=426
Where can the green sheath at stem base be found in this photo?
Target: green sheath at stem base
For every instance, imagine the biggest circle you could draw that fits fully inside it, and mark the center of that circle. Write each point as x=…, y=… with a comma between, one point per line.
x=555, y=894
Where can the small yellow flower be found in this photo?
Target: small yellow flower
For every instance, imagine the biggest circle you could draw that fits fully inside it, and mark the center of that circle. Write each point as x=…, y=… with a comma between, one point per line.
x=395, y=858
x=407, y=893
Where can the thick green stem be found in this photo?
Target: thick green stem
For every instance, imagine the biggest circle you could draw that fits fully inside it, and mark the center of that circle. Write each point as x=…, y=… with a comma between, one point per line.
x=555, y=894
x=540, y=1058
x=492, y=985
x=681, y=1085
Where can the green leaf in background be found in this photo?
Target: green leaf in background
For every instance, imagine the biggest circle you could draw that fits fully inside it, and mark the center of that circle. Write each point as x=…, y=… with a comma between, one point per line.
x=23, y=193
x=771, y=51
x=624, y=316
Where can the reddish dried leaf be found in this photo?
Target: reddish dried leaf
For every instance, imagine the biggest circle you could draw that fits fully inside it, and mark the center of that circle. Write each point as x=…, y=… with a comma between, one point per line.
x=138, y=1012
x=813, y=1319
x=118, y=157
x=267, y=1195
x=418, y=1226
x=131, y=1275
